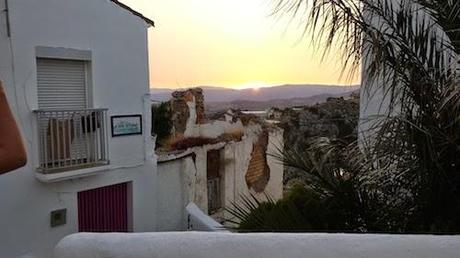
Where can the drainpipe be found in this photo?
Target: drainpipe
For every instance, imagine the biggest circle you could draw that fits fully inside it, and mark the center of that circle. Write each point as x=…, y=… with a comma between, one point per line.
x=7, y=13
x=149, y=140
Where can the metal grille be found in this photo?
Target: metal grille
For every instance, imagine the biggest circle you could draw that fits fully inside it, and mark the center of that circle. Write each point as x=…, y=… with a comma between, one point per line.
x=214, y=196
x=214, y=180
x=72, y=139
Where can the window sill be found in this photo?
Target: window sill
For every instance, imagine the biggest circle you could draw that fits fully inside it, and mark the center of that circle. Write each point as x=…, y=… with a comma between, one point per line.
x=73, y=174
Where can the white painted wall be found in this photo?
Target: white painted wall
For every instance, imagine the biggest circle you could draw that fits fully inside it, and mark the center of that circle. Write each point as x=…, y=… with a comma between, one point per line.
x=212, y=129
x=275, y=186
x=215, y=129
x=374, y=99
x=182, y=179
x=232, y=245
x=190, y=126
x=200, y=221
x=118, y=42
x=373, y=103
x=174, y=193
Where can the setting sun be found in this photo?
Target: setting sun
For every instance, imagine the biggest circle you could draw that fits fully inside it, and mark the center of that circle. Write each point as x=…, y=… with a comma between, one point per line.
x=230, y=44
x=254, y=85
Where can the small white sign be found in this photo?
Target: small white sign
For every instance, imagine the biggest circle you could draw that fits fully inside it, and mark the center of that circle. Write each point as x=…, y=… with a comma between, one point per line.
x=126, y=125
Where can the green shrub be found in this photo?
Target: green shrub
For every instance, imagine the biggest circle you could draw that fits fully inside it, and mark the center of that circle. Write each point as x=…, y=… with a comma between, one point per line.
x=161, y=122
x=299, y=211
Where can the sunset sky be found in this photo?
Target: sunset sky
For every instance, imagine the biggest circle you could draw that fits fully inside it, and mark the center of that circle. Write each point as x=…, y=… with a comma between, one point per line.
x=233, y=44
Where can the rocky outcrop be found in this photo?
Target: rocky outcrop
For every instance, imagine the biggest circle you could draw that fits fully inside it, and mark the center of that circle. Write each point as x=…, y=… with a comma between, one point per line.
x=336, y=118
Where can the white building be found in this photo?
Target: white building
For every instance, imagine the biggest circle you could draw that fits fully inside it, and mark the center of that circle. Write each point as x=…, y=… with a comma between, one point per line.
x=68, y=67
x=375, y=98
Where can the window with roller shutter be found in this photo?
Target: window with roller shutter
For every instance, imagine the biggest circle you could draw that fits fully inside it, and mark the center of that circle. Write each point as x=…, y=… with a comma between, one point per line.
x=61, y=84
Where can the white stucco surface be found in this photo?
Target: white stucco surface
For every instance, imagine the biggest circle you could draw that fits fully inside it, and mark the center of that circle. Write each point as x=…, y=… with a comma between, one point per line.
x=212, y=129
x=233, y=245
x=117, y=41
x=375, y=97
x=173, y=193
x=216, y=128
x=190, y=126
x=275, y=186
x=199, y=221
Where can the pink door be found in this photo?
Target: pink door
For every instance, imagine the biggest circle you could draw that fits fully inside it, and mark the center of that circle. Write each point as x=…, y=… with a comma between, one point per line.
x=103, y=209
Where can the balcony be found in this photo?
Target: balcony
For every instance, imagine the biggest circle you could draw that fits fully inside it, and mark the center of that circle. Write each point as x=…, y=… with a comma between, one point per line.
x=71, y=139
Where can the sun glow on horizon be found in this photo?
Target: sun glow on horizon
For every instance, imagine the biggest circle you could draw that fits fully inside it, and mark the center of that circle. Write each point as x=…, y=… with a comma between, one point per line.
x=233, y=44
x=253, y=85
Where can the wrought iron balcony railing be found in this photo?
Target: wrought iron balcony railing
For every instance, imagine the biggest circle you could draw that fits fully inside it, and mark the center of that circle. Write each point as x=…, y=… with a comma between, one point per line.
x=72, y=139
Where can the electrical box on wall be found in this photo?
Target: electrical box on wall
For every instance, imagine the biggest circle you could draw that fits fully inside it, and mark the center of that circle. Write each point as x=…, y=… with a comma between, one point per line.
x=58, y=218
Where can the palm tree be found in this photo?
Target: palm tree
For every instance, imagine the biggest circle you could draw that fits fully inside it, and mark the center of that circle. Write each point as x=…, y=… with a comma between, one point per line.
x=330, y=196
x=406, y=178
x=412, y=46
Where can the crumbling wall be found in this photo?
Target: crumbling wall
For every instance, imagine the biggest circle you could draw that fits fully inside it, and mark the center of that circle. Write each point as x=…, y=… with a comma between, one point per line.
x=180, y=112
x=199, y=105
x=187, y=109
x=189, y=118
x=237, y=162
x=265, y=177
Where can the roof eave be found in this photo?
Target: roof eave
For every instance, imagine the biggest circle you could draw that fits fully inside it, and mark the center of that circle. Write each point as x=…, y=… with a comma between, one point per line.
x=136, y=13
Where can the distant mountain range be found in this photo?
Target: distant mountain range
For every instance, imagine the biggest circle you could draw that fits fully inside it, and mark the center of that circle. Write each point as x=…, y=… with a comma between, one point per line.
x=216, y=94
x=219, y=99
x=214, y=107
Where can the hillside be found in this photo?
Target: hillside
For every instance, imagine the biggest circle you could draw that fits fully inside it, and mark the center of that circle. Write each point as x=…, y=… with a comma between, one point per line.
x=282, y=92
x=336, y=118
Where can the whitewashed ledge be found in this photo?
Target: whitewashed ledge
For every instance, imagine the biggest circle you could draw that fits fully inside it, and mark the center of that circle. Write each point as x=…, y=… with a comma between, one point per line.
x=199, y=221
x=233, y=245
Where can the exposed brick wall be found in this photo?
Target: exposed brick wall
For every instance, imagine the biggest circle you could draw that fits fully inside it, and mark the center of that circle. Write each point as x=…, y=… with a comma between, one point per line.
x=258, y=173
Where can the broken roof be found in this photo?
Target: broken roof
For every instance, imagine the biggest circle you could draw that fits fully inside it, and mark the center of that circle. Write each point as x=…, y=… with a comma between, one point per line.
x=138, y=14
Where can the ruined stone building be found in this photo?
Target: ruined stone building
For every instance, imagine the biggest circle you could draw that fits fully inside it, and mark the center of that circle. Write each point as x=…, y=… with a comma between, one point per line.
x=214, y=162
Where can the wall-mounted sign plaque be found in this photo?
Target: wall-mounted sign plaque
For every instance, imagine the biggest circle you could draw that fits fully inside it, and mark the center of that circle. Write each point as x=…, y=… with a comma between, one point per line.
x=126, y=125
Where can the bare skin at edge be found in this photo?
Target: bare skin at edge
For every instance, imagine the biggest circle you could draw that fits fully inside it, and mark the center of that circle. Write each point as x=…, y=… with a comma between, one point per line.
x=12, y=152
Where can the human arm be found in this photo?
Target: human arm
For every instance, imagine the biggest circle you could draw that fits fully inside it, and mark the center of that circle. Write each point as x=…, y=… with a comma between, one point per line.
x=12, y=151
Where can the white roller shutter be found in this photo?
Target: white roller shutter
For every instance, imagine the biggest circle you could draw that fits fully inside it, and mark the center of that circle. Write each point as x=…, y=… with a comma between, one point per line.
x=61, y=84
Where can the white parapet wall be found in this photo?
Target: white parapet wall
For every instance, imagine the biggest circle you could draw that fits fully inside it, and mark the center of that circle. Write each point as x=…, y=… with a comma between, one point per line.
x=232, y=245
